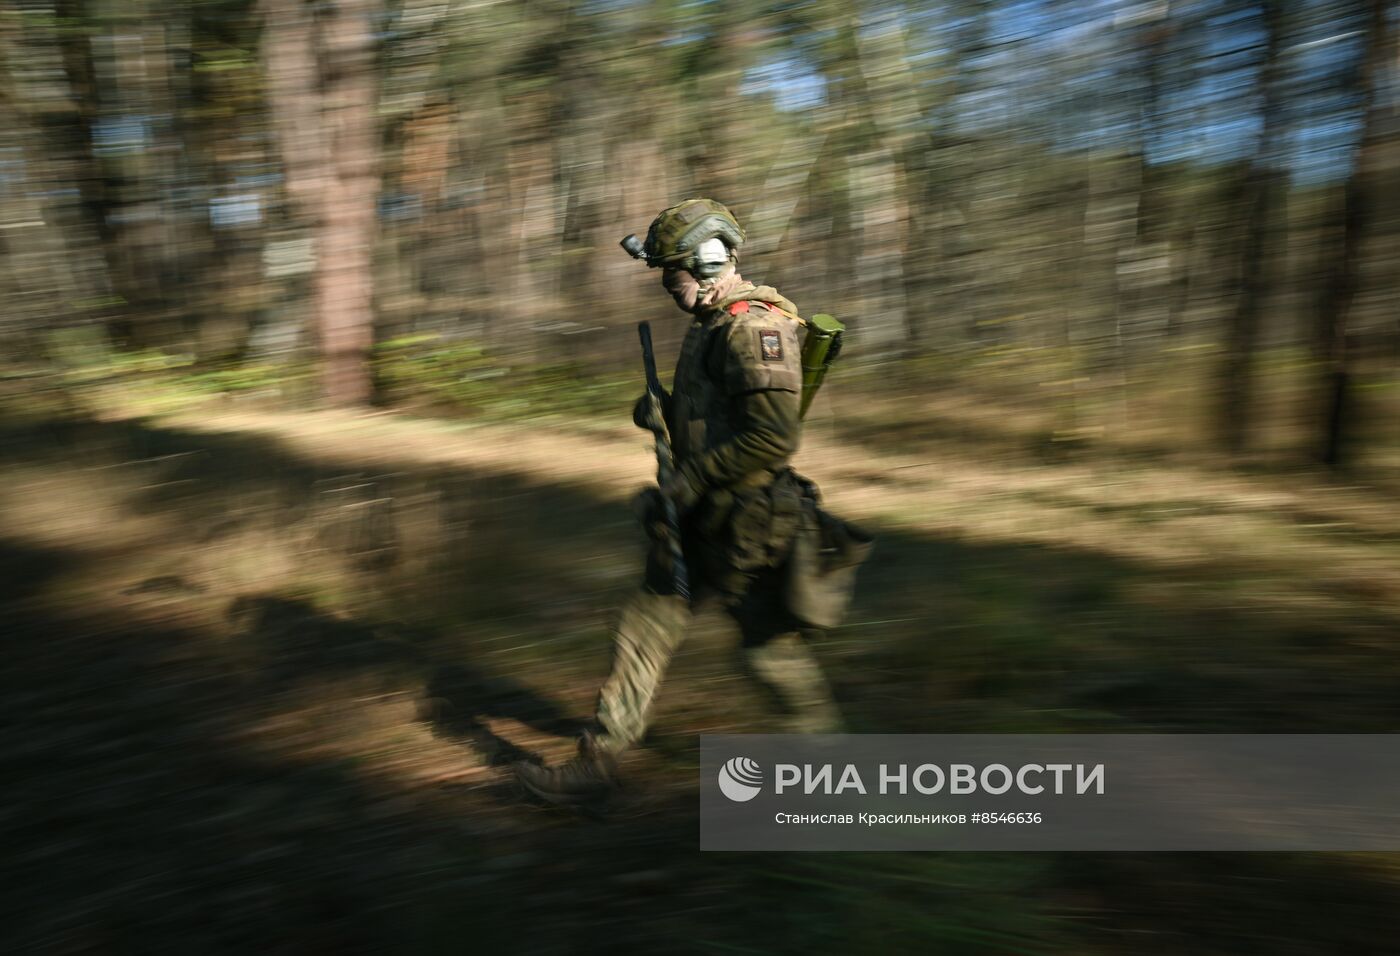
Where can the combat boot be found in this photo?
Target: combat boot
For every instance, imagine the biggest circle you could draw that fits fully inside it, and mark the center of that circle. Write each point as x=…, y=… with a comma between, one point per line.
x=588, y=778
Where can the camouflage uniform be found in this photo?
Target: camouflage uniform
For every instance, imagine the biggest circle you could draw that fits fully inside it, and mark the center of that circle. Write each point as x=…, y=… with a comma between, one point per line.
x=734, y=418
x=734, y=425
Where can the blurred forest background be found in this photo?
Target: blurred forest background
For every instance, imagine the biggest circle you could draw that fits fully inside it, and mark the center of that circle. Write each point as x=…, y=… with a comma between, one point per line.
x=316, y=358
x=1169, y=222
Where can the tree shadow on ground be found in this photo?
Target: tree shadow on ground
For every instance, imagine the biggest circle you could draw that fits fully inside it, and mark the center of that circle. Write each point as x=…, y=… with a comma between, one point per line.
x=144, y=815
x=457, y=699
x=943, y=633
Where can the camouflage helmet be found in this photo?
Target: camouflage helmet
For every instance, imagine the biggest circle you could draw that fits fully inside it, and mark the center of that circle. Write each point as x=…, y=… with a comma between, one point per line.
x=676, y=234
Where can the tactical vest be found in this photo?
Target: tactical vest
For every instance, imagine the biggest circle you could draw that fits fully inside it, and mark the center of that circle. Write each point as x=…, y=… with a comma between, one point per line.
x=699, y=406
x=701, y=409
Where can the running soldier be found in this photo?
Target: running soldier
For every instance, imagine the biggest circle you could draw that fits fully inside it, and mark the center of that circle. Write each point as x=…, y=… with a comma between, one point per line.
x=734, y=419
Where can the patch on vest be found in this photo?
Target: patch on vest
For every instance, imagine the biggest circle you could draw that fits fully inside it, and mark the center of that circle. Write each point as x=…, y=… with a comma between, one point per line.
x=770, y=344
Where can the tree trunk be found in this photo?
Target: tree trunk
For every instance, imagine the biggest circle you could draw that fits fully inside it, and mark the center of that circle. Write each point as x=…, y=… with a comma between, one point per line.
x=1340, y=289
x=1256, y=195
x=323, y=89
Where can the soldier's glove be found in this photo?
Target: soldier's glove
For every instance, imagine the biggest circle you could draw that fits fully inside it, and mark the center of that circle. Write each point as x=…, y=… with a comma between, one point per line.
x=648, y=413
x=650, y=509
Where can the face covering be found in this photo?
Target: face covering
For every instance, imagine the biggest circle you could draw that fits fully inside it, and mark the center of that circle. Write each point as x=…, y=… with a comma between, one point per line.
x=693, y=294
x=683, y=286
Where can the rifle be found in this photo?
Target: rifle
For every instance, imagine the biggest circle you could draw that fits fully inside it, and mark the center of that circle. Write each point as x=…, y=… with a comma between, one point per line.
x=665, y=467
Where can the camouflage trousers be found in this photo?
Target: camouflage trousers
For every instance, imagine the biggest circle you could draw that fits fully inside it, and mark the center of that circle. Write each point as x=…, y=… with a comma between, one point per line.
x=772, y=652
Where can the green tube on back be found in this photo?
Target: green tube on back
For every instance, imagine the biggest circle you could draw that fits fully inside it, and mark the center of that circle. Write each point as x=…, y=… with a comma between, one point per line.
x=819, y=350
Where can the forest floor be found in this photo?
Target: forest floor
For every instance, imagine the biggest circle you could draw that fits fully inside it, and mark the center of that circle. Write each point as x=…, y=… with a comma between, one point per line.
x=266, y=671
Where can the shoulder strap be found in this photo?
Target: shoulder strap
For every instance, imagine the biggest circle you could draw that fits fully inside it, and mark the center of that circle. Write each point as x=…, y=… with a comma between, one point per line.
x=743, y=305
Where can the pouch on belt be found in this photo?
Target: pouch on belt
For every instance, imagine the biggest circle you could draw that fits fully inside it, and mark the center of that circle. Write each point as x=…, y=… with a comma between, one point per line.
x=821, y=572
